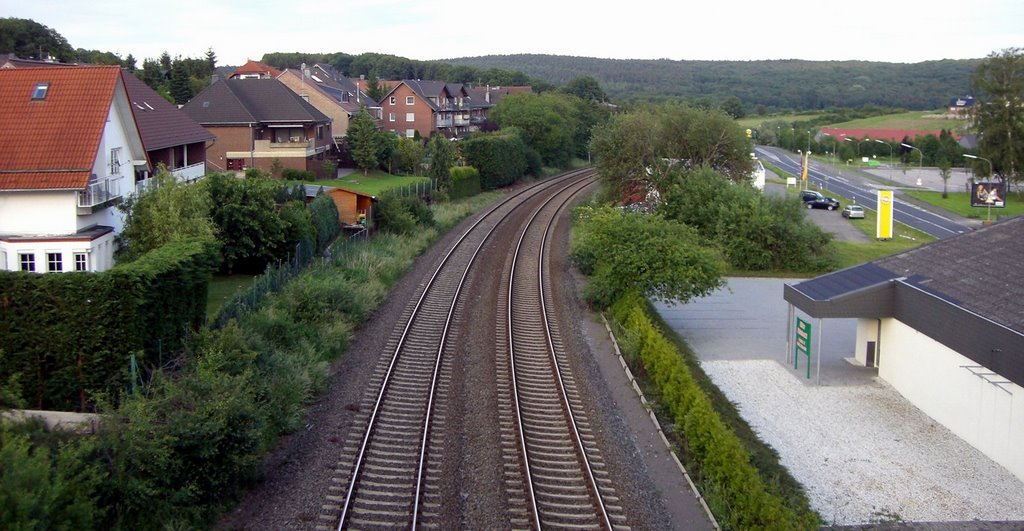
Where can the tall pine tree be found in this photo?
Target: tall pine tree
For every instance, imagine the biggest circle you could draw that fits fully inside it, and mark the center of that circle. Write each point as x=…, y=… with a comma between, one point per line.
x=362, y=132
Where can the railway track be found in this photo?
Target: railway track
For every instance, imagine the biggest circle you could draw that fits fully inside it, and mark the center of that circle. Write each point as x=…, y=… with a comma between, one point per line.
x=387, y=475
x=556, y=478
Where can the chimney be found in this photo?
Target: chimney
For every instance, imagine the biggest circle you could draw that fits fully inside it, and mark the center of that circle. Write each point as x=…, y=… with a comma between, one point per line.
x=487, y=95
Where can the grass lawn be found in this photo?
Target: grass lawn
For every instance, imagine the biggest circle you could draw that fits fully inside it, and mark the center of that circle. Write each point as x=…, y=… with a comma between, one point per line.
x=375, y=183
x=906, y=120
x=960, y=203
x=222, y=287
x=855, y=253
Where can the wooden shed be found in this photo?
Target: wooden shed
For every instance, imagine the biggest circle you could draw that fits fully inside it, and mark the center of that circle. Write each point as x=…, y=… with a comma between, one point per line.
x=352, y=206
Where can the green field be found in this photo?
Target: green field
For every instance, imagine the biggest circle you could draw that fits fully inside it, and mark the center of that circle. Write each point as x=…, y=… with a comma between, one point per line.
x=756, y=121
x=959, y=203
x=908, y=120
x=375, y=183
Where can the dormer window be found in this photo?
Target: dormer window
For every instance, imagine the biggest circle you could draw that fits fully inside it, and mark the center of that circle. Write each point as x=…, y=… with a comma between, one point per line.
x=39, y=93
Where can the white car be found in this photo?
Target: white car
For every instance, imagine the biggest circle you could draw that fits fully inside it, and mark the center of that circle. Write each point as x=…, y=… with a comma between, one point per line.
x=853, y=211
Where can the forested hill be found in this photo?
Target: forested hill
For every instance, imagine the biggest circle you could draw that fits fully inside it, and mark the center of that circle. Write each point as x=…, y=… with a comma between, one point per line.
x=782, y=84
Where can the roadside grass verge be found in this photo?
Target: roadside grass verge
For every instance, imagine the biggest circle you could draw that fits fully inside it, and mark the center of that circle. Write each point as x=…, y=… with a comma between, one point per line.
x=960, y=203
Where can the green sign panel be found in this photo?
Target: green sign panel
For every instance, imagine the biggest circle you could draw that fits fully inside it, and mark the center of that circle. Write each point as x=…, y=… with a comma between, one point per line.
x=803, y=344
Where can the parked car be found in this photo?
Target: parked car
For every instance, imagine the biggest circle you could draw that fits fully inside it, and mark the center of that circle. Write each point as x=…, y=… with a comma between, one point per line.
x=822, y=203
x=853, y=211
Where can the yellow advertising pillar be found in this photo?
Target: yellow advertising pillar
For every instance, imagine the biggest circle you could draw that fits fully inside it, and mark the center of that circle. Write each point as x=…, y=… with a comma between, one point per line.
x=884, y=227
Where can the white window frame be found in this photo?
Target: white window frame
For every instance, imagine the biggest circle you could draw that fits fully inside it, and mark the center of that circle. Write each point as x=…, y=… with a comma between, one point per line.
x=410, y=117
x=50, y=263
x=393, y=100
x=391, y=116
x=84, y=260
x=27, y=259
x=115, y=161
x=410, y=133
x=410, y=100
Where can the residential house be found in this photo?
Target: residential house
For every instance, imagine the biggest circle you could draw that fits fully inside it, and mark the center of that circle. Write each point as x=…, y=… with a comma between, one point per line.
x=260, y=123
x=944, y=325
x=71, y=148
x=961, y=107
x=170, y=137
x=254, y=70
x=430, y=107
x=332, y=94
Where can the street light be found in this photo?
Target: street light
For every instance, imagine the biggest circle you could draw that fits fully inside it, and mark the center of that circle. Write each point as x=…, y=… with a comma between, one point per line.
x=989, y=172
x=920, y=166
x=888, y=145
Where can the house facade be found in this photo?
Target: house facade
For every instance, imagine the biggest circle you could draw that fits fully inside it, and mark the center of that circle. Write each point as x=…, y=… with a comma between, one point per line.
x=435, y=107
x=260, y=123
x=71, y=151
x=944, y=325
x=332, y=94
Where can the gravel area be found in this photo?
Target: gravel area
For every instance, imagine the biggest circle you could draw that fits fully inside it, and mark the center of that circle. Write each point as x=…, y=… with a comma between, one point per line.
x=859, y=465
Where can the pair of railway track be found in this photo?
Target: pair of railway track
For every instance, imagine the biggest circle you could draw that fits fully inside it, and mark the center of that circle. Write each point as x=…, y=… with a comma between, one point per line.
x=389, y=473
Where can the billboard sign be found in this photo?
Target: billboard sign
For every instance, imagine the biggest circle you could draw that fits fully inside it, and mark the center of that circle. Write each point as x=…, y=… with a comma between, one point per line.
x=884, y=225
x=988, y=195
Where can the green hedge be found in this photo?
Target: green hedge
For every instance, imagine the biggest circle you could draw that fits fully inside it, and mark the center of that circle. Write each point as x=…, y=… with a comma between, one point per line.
x=325, y=219
x=70, y=335
x=464, y=182
x=501, y=157
x=729, y=482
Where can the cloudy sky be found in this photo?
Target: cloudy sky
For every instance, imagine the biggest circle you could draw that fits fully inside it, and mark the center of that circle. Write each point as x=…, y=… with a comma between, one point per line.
x=905, y=31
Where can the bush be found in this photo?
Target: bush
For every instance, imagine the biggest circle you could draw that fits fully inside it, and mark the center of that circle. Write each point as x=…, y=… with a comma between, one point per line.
x=501, y=158
x=93, y=322
x=401, y=215
x=626, y=251
x=729, y=482
x=465, y=182
x=290, y=174
x=754, y=231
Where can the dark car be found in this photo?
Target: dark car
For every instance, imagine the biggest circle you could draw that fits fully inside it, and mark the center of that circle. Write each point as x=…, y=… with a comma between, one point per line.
x=814, y=199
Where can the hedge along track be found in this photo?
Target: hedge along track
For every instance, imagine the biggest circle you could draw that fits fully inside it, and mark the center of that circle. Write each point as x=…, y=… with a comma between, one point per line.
x=555, y=475
x=383, y=479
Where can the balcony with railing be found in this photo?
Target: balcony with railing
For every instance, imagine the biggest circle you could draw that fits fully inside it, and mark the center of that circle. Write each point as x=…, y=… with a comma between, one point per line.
x=444, y=121
x=190, y=173
x=99, y=195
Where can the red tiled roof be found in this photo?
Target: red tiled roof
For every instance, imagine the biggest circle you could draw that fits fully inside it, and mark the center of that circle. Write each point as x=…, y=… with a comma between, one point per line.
x=256, y=67
x=52, y=143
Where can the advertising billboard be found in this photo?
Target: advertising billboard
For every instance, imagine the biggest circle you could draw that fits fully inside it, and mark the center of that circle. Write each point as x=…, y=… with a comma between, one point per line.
x=988, y=195
x=883, y=229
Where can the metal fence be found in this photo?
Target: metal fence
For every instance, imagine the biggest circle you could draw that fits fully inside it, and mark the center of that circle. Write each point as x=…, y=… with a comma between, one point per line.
x=277, y=275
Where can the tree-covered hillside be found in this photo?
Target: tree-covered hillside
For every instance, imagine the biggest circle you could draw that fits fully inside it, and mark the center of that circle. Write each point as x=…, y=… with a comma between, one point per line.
x=773, y=85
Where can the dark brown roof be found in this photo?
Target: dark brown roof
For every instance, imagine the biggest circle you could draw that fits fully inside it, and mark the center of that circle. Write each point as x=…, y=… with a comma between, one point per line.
x=249, y=101
x=977, y=270
x=161, y=124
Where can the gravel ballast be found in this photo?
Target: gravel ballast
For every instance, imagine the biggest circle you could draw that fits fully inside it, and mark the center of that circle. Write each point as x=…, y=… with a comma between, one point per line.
x=864, y=453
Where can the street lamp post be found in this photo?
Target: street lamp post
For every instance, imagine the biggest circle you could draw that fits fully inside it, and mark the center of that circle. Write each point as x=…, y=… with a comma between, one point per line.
x=888, y=145
x=975, y=157
x=920, y=165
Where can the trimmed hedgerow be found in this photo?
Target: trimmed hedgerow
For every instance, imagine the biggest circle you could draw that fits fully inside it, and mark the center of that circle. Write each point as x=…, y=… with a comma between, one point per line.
x=500, y=157
x=728, y=480
x=464, y=181
x=69, y=336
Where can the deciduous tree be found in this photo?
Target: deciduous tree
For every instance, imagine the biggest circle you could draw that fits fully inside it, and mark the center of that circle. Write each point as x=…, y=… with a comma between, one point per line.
x=999, y=118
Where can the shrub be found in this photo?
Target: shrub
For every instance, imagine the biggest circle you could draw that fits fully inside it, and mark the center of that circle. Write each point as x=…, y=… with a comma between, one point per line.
x=729, y=482
x=291, y=174
x=401, y=215
x=465, y=182
x=499, y=157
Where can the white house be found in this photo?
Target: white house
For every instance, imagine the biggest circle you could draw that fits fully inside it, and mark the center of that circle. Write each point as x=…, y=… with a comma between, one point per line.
x=70, y=150
x=944, y=324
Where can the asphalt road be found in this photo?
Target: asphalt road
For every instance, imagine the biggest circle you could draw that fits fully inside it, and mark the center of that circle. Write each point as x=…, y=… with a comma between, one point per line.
x=851, y=184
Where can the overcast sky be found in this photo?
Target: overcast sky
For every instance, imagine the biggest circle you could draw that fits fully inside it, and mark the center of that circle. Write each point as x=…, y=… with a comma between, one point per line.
x=904, y=31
